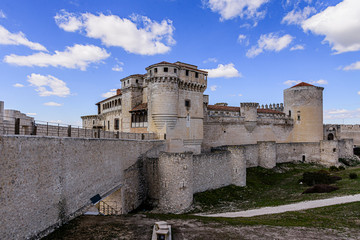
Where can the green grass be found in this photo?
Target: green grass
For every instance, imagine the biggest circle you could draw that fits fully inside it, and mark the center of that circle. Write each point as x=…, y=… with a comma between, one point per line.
x=272, y=187
x=344, y=216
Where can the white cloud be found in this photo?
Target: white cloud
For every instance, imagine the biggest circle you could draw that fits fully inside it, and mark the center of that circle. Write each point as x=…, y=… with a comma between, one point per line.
x=297, y=47
x=341, y=114
x=339, y=24
x=319, y=82
x=229, y=9
x=291, y=82
x=243, y=39
x=111, y=93
x=353, y=66
x=359, y=92
x=77, y=56
x=8, y=38
x=118, y=67
x=213, y=60
x=294, y=82
x=269, y=42
x=2, y=14
x=226, y=71
x=53, y=104
x=213, y=88
x=31, y=114
x=18, y=85
x=297, y=17
x=240, y=95
x=48, y=85
x=139, y=34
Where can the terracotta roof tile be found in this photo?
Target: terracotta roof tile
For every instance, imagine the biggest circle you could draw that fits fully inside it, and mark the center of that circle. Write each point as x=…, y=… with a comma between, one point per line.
x=223, y=108
x=303, y=84
x=237, y=109
x=140, y=107
x=118, y=93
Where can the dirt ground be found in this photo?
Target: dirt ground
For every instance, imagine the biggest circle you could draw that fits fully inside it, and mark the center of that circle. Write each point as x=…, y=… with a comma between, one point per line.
x=140, y=227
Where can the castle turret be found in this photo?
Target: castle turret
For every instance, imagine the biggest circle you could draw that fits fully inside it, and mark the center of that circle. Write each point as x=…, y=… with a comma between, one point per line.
x=131, y=88
x=249, y=112
x=304, y=103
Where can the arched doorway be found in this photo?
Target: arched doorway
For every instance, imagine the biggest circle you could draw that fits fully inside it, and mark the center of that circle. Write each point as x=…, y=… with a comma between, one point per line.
x=330, y=136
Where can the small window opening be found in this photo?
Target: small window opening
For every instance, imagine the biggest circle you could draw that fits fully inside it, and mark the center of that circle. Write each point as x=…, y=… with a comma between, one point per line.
x=175, y=70
x=187, y=103
x=166, y=69
x=187, y=72
x=289, y=113
x=155, y=70
x=298, y=117
x=303, y=158
x=334, y=149
x=196, y=75
x=137, y=81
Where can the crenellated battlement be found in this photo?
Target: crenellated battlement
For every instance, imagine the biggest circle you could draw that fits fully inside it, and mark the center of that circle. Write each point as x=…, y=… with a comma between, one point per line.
x=277, y=106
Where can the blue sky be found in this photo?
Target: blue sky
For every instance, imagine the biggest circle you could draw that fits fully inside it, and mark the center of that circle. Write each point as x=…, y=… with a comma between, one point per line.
x=58, y=58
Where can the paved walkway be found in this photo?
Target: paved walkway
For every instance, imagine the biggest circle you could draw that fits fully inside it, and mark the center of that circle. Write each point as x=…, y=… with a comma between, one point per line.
x=288, y=208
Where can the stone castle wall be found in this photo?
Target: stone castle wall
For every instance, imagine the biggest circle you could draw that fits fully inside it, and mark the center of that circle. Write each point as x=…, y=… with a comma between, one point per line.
x=46, y=181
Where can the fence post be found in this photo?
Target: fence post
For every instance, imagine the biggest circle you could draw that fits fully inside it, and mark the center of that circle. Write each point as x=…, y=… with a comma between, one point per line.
x=69, y=131
x=17, y=126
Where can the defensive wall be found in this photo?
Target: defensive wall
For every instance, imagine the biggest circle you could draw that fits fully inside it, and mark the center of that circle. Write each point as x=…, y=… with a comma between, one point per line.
x=46, y=181
x=173, y=178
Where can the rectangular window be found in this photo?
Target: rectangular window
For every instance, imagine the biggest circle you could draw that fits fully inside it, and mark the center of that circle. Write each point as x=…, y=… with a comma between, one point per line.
x=175, y=70
x=108, y=125
x=187, y=103
x=166, y=69
x=187, y=72
x=155, y=70
x=196, y=75
x=116, y=124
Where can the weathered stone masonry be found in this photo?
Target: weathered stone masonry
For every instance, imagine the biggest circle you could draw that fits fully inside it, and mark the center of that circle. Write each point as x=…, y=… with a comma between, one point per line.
x=45, y=181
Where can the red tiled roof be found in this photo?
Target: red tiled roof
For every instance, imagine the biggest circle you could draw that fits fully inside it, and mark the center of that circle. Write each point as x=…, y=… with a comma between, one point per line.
x=223, y=108
x=303, y=84
x=237, y=109
x=271, y=111
x=118, y=92
x=140, y=107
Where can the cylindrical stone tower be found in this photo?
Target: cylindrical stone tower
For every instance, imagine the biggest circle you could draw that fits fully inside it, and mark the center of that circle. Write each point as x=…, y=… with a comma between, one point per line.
x=163, y=92
x=304, y=103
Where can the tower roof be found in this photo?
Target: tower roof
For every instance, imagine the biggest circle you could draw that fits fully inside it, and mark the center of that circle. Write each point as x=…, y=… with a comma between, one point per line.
x=303, y=84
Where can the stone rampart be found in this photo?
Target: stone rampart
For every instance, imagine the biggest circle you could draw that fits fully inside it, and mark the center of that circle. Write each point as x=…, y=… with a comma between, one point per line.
x=45, y=181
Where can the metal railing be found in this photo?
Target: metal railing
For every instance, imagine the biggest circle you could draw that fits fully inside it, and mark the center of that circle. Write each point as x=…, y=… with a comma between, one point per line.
x=18, y=126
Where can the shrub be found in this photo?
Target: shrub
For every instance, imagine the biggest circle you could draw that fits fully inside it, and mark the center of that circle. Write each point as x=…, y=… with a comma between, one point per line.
x=354, y=161
x=320, y=188
x=341, y=168
x=333, y=169
x=320, y=177
x=353, y=175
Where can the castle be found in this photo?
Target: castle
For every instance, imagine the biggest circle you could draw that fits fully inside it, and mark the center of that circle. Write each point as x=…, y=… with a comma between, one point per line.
x=168, y=100
x=157, y=141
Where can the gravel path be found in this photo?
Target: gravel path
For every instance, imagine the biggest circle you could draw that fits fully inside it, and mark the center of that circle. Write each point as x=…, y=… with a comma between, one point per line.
x=289, y=207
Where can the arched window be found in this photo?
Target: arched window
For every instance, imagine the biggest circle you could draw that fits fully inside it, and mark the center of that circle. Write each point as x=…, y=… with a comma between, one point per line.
x=330, y=136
